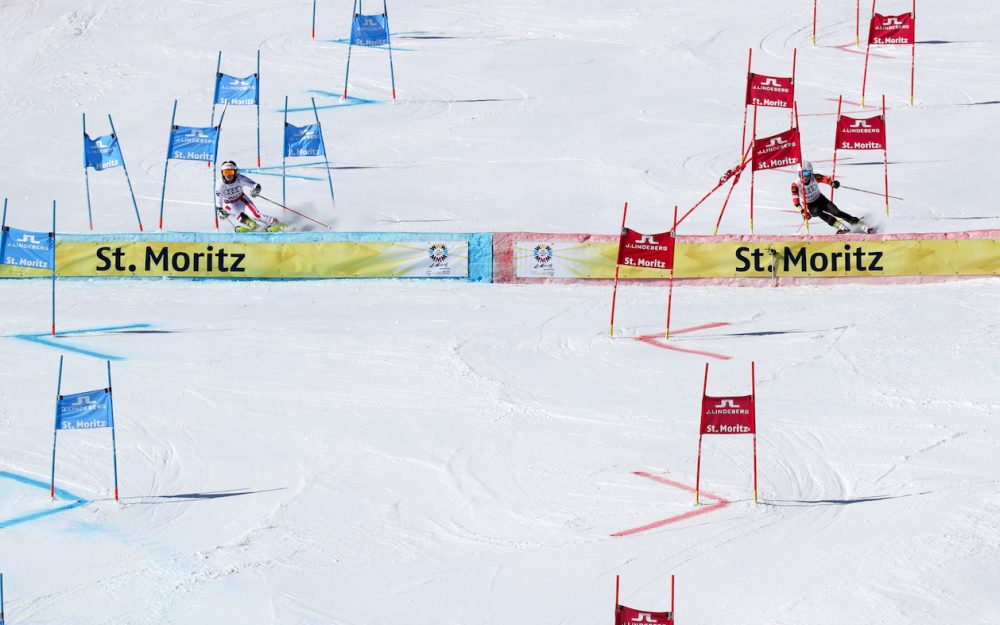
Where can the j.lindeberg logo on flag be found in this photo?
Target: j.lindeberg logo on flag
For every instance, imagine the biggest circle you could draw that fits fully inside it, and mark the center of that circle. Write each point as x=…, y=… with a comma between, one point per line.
x=644, y=617
x=28, y=239
x=648, y=238
x=728, y=406
x=82, y=404
x=777, y=142
x=892, y=21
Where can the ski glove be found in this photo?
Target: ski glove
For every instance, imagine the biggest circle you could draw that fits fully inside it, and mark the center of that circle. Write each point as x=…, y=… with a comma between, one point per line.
x=254, y=192
x=221, y=212
x=835, y=184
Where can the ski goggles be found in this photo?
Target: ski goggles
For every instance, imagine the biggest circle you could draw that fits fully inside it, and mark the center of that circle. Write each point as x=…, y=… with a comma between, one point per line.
x=228, y=172
x=805, y=173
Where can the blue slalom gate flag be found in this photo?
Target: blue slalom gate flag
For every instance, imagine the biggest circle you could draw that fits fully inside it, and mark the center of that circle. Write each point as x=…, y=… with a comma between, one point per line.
x=25, y=248
x=237, y=91
x=370, y=30
x=304, y=140
x=188, y=143
x=103, y=152
x=85, y=411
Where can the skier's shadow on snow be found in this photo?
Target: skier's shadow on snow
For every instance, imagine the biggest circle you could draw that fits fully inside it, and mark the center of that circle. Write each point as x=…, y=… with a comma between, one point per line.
x=799, y=503
x=189, y=497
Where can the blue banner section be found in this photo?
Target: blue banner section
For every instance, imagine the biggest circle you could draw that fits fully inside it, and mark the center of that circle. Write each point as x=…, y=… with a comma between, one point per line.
x=237, y=91
x=304, y=140
x=188, y=143
x=370, y=30
x=24, y=248
x=102, y=153
x=84, y=411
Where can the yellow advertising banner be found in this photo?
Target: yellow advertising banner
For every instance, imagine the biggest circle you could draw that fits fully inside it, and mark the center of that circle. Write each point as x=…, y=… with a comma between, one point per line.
x=225, y=259
x=757, y=259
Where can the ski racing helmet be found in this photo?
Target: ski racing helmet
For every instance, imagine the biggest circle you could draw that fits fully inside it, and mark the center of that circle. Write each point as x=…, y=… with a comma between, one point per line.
x=807, y=169
x=229, y=171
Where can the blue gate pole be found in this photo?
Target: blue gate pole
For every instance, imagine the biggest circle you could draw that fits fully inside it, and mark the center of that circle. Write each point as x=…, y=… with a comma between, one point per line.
x=284, y=151
x=218, y=138
x=55, y=432
x=86, y=173
x=388, y=40
x=1, y=599
x=163, y=192
x=314, y=21
x=350, y=44
x=258, y=108
x=215, y=97
x=3, y=221
x=127, y=179
x=329, y=177
x=53, y=235
x=114, y=445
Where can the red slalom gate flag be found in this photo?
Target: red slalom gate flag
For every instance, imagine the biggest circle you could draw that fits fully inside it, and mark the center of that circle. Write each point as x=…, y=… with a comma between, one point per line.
x=778, y=150
x=630, y=616
x=892, y=30
x=861, y=134
x=728, y=415
x=773, y=91
x=652, y=251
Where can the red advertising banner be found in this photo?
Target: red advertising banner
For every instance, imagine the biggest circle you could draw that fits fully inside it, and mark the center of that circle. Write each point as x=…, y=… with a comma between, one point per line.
x=630, y=616
x=892, y=30
x=655, y=251
x=727, y=415
x=773, y=91
x=861, y=133
x=779, y=150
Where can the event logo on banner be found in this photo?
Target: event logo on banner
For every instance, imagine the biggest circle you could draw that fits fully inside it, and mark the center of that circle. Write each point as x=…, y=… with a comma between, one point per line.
x=770, y=91
x=304, y=140
x=779, y=150
x=861, y=134
x=84, y=411
x=727, y=415
x=630, y=616
x=103, y=152
x=655, y=251
x=237, y=91
x=188, y=143
x=370, y=30
x=25, y=248
x=892, y=30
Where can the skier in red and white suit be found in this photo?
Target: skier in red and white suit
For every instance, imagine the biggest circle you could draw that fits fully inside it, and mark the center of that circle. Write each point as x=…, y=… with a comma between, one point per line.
x=233, y=205
x=818, y=204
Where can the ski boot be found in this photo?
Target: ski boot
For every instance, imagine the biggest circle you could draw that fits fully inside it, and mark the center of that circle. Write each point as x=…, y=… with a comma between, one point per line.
x=246, y=225
x=277, y=226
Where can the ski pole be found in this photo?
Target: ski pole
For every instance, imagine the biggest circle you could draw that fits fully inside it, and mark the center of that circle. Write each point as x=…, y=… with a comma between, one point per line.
x=879, y=193
x=294, y=211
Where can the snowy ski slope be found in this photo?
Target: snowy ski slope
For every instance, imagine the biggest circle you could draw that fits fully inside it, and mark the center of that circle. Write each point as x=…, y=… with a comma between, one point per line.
x=358, y=452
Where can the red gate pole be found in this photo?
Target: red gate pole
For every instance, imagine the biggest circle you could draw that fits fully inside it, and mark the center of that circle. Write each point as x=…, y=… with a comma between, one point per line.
x=752, y=172
x=913, y=53
x=614, y=293
x=802, y=181
x=743, y=137
x=617, y=580
x=672, y=597
x=815, y=3
x=736, y=179
x=840, y=102
x=885, y=154
x=670, y=291
x=795, y=54
x=868, y=47
x=697, y=471
x=857, y=24
x=753, y=402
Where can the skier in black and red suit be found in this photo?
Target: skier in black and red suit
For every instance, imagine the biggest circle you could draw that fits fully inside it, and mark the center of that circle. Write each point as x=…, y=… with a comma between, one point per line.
x=821, y=206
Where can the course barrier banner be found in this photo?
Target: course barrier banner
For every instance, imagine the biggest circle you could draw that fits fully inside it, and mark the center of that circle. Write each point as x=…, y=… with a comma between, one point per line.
x=280, y=256
x=528, y=256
